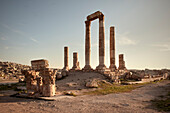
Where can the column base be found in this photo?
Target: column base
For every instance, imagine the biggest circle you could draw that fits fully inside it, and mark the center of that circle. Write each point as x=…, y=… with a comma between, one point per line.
x=87, y=68
x=101, y=68
x=66, y=68
x=122, y=68
x=112, y=68
x=75, y=69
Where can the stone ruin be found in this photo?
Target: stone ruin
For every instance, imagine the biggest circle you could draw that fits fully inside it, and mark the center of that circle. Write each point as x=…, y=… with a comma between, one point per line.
x=112, y=71
x=40, y=83
x=41, y=80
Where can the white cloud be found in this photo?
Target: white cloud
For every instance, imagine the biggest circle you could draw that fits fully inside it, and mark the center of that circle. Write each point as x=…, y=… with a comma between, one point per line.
x=126, y=41
x=162, y=47
x=123, y=39
x=34, y=40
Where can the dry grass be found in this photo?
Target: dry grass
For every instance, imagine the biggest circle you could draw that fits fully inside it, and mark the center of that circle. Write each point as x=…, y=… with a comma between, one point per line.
x=105, y=88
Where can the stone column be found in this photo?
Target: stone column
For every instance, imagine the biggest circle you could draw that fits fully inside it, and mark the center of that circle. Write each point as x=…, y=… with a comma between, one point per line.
x=121, y=62
x=75, y=62
x=101, y=44
x=87, y=66
x=66, y=67
x=48, y=78
x=112, y=49
x=31, y=81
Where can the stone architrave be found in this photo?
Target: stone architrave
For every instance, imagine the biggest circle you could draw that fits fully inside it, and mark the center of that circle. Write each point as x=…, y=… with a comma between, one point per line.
x=112, y=49
x=121, y=62
x=75, y=62
x=66, y=67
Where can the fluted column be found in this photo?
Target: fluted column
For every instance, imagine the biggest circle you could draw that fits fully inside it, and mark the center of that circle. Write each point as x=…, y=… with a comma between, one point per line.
x=87, y=47
x=112, y=49
x=101, y=44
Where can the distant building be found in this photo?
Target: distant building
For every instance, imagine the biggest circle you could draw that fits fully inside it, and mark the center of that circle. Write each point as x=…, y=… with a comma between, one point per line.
x=38, y=64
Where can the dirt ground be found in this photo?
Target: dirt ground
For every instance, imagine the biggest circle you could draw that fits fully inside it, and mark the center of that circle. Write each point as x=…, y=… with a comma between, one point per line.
x=136, y=101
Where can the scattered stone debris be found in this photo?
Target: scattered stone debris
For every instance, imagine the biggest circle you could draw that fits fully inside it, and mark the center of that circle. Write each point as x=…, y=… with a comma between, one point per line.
x=12, y=71
x=92, y=83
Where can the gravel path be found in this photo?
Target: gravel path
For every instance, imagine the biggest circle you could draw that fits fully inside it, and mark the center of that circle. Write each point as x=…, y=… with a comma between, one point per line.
x=137, y=101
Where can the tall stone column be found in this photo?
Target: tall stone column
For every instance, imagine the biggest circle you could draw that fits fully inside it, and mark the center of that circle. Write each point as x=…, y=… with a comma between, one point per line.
x=87, y=66
x=66, y=67
x=112, y=49
x=75, y=62
x=101, y=66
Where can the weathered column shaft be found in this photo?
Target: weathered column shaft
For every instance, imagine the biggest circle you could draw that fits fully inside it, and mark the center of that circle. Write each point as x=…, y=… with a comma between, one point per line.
x=75, y=62
x=112, y=46
x=87, y=43
x=101, y=41
x=66, y=58
x=75, y=59
x=121, y=62
x=112, y=49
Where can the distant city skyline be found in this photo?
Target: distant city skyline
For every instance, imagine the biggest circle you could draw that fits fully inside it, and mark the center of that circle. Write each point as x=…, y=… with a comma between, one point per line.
x=40, y=29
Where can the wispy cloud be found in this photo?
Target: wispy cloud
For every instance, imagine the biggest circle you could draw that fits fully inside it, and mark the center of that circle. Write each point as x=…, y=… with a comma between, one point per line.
x=162, y=47
x=34, y=40
x=123, y=39
x=19, y=32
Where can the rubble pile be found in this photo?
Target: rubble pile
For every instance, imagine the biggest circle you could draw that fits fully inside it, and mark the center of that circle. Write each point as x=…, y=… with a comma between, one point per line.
x=10, y=70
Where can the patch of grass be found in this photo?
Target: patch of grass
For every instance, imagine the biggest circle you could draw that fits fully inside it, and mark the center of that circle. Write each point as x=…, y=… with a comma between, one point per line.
x=162, y=105
x=70, y=93
x=11, y=86
x=7, y=87
x=105, y=88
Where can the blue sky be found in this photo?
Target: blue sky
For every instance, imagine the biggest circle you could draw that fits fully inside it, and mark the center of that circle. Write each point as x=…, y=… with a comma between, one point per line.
x=34, y=29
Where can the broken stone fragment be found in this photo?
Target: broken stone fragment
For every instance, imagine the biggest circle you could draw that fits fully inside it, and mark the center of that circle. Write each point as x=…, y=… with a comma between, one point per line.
x=92, y=84
x=59, y=76
x=64, y=73
x=72, y=84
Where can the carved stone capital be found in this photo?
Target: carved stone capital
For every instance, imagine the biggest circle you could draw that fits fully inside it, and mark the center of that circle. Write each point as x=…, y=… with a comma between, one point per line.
x=88, y=23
